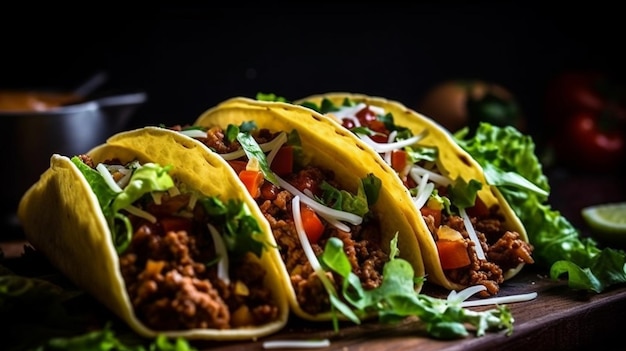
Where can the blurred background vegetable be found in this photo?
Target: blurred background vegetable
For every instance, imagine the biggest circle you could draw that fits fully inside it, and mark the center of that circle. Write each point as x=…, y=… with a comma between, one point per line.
x=459, y=103
x=586, y=120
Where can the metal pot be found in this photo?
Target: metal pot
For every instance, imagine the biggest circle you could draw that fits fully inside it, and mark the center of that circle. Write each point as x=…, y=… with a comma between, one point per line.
x=31, y=137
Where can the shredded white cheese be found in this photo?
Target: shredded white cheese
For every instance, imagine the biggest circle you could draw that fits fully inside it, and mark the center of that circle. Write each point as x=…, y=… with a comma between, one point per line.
x=108, y=178
x=424, y=190
x=332, y=216
x=222, y=254
x=435, y=177
x=319, y=208
x=140, y=213
x=331, y=220
x=463, y=295
x=296, y=344
x=390, y=139
x=472, y=234
x=349, y=111
x=458, y=296
x=194, y=133
x=123, y=182
x=385, y=147
x=304, y=240
x=500, y=300
x=306, y=247
x=270, y=145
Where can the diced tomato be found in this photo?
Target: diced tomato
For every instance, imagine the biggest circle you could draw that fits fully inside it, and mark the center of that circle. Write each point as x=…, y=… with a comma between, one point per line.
x=452, y=254
x=313, y=226
x=409, y=182
x=347, y=123
x=378, y=126
x=427, y=211
x=442, y=190
x=398, y=160
x=172, y=223
x=305, y=181
x=283, y=161
x=238, y=165
x=252, y=180
x=366, y=116
x=479, y=209
x=379, y=138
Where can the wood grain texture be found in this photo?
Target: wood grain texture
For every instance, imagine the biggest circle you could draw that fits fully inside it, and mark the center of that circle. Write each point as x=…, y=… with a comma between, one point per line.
x=559, y=319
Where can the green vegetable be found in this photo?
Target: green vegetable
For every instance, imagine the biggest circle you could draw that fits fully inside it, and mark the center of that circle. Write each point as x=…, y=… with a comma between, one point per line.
x=240, y=229
x=463, y=194
x=145, y=179
x=396, y=299
x=270, y=97
x=608, y=220
x=41, y=315
x=105, y=340
x=510, y=163
x=342, y=200
x=253, y=151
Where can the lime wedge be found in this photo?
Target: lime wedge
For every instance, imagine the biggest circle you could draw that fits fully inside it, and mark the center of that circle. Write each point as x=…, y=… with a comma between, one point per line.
x=607, y=221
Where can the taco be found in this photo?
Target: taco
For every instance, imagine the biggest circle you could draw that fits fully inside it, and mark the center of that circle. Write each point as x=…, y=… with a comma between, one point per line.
x=468, y=232
x=162, y=233
x=326, y=199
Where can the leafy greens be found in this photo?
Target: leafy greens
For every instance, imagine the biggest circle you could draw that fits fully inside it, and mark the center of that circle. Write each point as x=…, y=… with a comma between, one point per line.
x=395, y=298
x=510, y=163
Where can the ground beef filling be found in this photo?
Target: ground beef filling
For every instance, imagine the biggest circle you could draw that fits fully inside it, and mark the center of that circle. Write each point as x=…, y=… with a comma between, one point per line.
x=504, y=250
x=361, y=244
x=170, y=273
x=173, y=286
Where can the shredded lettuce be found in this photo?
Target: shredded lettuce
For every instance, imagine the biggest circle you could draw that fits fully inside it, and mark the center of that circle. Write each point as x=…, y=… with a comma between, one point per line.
x=511, y=164
x=241, y=231
x=147, y=178
x=342, y=200
x=253, y=151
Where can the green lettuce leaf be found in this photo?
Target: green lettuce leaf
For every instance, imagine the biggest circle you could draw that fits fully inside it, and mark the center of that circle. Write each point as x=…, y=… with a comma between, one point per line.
x=511, y=164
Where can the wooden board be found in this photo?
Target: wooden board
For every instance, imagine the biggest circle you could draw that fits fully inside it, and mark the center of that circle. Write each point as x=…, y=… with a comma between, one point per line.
x=559, y=319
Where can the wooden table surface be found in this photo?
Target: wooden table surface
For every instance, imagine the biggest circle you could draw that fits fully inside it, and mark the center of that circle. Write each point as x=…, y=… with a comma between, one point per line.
x=560, y=318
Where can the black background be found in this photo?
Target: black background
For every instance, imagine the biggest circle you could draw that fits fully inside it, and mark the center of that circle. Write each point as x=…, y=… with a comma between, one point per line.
x=188, y=59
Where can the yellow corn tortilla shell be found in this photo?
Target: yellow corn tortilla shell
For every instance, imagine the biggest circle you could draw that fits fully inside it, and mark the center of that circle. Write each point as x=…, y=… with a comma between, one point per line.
x=62, y=219
x=453, y=161
x=329, y=147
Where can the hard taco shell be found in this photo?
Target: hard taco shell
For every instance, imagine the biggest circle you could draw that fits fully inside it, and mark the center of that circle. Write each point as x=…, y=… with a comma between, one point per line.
x=329, y=147
x=453, y=161
x=62, y=219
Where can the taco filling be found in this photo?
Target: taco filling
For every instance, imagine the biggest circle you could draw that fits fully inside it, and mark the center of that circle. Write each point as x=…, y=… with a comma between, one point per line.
x=306, y=208
x=188, y=261
x=472, y=243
